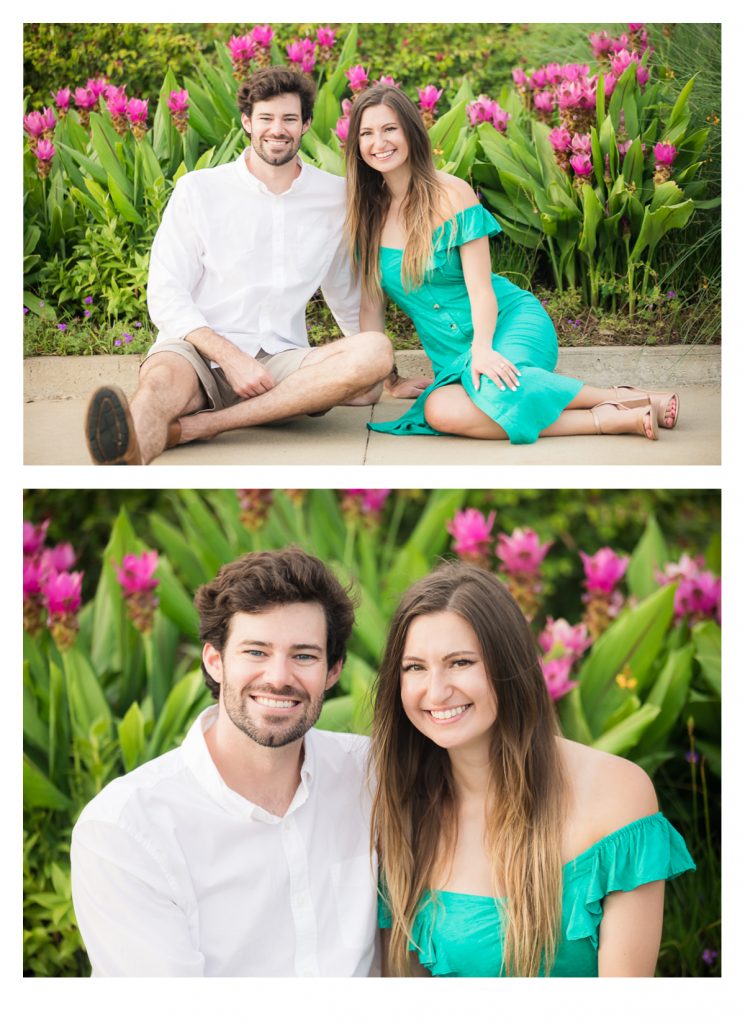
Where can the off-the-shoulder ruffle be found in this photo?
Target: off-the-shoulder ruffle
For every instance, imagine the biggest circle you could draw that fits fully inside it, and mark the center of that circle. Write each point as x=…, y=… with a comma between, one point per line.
x=472, y=222
x=647, y=850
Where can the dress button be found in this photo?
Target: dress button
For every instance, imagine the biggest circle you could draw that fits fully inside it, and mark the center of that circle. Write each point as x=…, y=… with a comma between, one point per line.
x=436, y=305
x=453, y=327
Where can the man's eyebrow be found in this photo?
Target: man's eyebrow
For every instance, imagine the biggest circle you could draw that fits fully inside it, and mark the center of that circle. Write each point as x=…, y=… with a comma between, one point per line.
x=269, y=646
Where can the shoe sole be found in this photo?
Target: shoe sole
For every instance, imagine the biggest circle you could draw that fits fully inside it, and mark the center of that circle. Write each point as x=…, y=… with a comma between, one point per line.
x=109, y=430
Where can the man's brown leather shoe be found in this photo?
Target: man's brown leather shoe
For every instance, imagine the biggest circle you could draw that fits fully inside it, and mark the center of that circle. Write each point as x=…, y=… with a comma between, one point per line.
x=109, y=429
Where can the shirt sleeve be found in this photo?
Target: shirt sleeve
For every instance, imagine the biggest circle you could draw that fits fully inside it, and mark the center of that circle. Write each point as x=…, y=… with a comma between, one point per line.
x=127, y=913
x=175, y=269
x=342, y=292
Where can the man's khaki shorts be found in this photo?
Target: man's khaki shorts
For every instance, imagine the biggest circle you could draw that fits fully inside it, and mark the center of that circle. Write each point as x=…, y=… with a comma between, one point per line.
x=219, y=393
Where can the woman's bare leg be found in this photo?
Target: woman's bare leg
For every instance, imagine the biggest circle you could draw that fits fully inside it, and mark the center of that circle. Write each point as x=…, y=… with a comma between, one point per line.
x=451, y=411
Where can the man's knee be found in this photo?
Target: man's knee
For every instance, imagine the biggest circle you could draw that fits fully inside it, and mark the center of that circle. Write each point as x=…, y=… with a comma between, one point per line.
x=376, y=354
x=167, y=371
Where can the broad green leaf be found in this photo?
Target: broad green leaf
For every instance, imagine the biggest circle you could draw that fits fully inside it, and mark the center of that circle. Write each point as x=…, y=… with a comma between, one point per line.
x=633, y=164
x=34, y=730
x=85, y=697
x=179, y=711
x=175, y=602
x=622, y=737
x=707, y=638
x=445, y=131
x=110, y=629
x=38, y=791
x=326, y=112
x=122, y=204
x=131, y=733
x=593, y=216
x=105, y=150
x=337, y=714
x=573, y=722
x=649, y=556
x=656, y=224
x=179, y=551
x=669, y=694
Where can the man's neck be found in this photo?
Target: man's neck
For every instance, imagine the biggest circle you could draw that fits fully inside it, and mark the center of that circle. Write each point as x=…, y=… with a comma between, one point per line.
x=267, y=776
x=277, y=179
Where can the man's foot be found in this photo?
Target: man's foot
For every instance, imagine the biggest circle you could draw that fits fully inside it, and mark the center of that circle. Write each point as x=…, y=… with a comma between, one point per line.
x=109, y=429
x=666, y=403
x=634, y=417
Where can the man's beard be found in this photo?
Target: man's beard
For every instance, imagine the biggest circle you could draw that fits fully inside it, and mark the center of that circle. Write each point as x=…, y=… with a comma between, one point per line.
x=274, y=161
x=279, y=735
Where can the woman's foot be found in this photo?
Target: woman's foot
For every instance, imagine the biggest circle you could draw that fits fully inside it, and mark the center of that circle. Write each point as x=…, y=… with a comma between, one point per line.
x=632, y=417
x=666, y=403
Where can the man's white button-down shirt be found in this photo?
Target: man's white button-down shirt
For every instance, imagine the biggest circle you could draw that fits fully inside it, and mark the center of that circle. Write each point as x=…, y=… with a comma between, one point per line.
x=231, y=255
x=174, y=873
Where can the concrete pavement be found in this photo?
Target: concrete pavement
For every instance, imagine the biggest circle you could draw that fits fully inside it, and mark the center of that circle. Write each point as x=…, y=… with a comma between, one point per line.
x=56, y=390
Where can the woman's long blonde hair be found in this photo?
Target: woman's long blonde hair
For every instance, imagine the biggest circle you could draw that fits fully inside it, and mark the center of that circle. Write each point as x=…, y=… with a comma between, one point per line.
x=414, y=809
x=368, y=199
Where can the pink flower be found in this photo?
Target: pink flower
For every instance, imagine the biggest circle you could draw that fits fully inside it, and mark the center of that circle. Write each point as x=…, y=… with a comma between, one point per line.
x=544, y=101
x=621, y=61
x=136, y=573
x=308, y=63
x=581, y=165
x=342, y=128
x=686, y=568
x=62, y=99
x=521, y=553
x=85, y=99
x=582, y=144
x=33, y=577
x=603, y=570
x=241, y=48
x=665, y=153
x=601, y=43
x=472, y=533
x=357, y=78
x=34, y=536
x=480, y=110
x=428, y=97
x=556, y=673
x=574, y=72
x=374, y=498
x=699, y=597
x=387, y=80
x=609, y=84
x=301, y=51
x=62, y=592
x=116, y=101
x=60, y=558
x=560, y=139
x=500, y=118
x=178, y=101
x=34, y=124
x=642, y=75
x=519, y=77
x=137, y=111
x=563, y=639
x=44, y=151
x=326, y=36
x=97, y=86
x=262, y=35
x=368, y=502
x=346, y=107
x=636, y=26
x=554, y=73
x=539, y=79
x=569, y=94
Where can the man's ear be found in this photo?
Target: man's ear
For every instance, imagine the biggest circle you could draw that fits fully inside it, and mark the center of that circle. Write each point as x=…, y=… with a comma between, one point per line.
x=246, y=122
x=212, y=662
x=306, y=126
x=333, y=675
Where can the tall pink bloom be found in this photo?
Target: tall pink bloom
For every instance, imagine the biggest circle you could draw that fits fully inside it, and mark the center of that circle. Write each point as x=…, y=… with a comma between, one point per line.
x=539, y=79
x=137, y=578
x=471, y=531
x=665, y=153
x=34, y=536
x=116, y=104
x=699, y=597
x=62, y=594
x=544, y=101
x=603, y=570
x=262, y=35
x=560, y=139
x=300, y=51
x=85, y=99
x=387, y=80
x=243, y=51
x=97, y=86
x=581, y=165
x=34, y=124
x=480, y=110
x=561, y=639
x=500, y=118
x=428, y=97
x=178, y=105
x=60, y=558
x=326, y=37
x=62, y=99
x=137, y=114
x=556, y=673
x=519, y=77
x=44, y=152
x=357, y=78
x=521, y=553
x=342, y=128
x=364, y=502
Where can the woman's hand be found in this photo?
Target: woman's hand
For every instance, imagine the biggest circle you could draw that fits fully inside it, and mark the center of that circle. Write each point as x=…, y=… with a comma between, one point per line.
x=494, y=366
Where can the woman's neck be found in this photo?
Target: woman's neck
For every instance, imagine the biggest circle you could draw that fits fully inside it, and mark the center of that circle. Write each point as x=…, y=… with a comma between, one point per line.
x=397, y=183
x=471, y=770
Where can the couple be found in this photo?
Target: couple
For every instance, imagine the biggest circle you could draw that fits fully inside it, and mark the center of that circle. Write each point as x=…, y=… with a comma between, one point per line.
x=243, y=247
x=497, y=846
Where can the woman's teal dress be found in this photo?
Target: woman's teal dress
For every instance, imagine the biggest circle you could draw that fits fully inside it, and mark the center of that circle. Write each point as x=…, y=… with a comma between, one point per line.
x=460, y=936
x=441, y=312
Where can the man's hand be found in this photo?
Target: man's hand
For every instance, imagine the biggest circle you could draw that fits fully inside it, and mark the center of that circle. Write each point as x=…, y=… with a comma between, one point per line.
x=246, y=375
x=407, y=387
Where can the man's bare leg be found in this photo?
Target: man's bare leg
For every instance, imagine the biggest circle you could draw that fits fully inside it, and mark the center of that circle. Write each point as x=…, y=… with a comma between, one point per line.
x=168, y=388
x=329, y=376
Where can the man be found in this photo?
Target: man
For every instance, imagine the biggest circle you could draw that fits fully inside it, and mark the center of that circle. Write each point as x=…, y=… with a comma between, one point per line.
x=241, y=249
x=245, y=851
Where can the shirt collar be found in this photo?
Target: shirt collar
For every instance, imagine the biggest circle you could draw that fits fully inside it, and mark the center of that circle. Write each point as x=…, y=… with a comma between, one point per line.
x=199, y=760
x=253, y=182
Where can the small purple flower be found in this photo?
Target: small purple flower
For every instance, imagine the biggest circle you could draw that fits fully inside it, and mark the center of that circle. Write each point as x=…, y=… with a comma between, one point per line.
x=87, y=313
x=41, y=303
x=692, y=756
x=137, y=323
x=117, y=343
x=26, y=310
x=127, y=338
x=671, y=294
x=710, y=956
x=88, y=300
x=61, y=327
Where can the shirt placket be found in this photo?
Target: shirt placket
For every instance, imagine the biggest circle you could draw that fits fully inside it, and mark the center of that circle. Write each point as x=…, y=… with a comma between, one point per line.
x=277, y=287
x=301, y=904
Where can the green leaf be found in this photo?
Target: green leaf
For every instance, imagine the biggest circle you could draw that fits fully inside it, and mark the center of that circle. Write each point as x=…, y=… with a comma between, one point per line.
x=34, y=729
x=656, y=224
x=85, y=697
x=669, y=694
x=649, y=555
x=634, y=639
x=622, y=737
x=180, y=709
x=105, y=149
x=444, y=133
x=40, y=308
x=593, y=216
x=122, y=204
x=38, y=791
x=326, y=112
x=131, y=732
x=337, y=714
x=573, y=722
x=179, y=551
x=633, y=164
x=707, y=638
x=175, y=602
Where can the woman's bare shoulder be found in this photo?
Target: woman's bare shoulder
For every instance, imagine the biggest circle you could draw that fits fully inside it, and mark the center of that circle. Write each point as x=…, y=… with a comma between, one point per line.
x=606, y=793
x=459, y=192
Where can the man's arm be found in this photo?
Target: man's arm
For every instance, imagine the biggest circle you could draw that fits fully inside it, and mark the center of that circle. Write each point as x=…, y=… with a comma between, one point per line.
x=128, y=915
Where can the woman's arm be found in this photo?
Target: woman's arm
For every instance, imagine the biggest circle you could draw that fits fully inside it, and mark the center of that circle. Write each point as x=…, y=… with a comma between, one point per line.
x=630, y=932
x=372, y=318
x=476, y=262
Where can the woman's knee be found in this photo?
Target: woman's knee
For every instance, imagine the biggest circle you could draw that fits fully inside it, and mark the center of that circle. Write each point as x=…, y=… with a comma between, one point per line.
x=440, y=413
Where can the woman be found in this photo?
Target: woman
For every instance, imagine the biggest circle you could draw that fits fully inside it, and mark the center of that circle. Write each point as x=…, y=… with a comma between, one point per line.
x=422, y=235
x=504, y=848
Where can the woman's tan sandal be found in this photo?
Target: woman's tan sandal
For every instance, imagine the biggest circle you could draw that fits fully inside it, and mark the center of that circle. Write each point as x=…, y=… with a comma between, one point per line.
x=660, y=399
x=644, y=408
